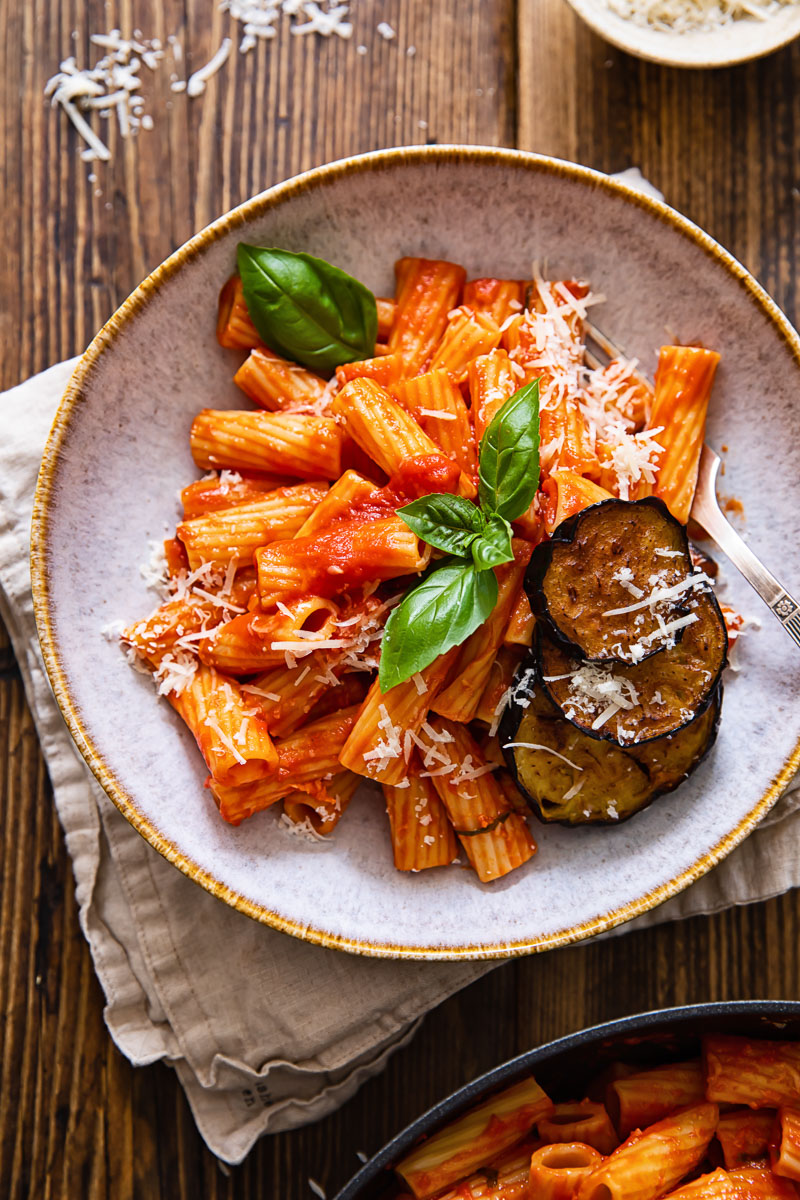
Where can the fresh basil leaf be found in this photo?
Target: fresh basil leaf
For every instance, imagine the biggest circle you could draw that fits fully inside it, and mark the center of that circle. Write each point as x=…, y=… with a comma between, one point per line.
x=508, y=473
x=306, y=309
x=449, y=523
x=440, y=612
x=494, y=544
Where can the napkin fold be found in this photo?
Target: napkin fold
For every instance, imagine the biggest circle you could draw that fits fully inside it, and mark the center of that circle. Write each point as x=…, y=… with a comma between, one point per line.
x=265, y=1032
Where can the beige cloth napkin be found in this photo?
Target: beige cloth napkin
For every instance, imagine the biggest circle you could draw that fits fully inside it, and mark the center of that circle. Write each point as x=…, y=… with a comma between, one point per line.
x=266, y=1032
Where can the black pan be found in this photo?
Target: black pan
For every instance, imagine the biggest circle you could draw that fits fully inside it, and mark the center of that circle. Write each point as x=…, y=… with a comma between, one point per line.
x=564, y=1067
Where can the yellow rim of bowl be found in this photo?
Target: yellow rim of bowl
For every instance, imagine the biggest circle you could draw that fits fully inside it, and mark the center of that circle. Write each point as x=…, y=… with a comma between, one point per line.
x=68, y=412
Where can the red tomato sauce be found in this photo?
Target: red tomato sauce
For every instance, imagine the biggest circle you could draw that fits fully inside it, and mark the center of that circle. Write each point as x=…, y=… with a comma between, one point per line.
x=419, y=476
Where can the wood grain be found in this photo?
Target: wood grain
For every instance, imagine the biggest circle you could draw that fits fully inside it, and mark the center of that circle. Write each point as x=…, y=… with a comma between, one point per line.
x=76, y=1121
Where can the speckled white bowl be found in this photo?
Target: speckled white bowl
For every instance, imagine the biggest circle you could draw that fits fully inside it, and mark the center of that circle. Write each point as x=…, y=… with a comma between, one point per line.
x=737, y=42
x=119, y=453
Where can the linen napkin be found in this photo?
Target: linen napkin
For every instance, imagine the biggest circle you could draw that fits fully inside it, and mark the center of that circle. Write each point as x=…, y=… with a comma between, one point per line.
x=266, y=1032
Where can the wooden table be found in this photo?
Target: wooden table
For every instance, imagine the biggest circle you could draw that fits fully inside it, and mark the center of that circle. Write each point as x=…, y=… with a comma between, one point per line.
x=76, y=1121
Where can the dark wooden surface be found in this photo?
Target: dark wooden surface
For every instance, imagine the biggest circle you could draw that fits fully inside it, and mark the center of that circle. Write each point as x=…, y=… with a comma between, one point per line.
x=76, y=1120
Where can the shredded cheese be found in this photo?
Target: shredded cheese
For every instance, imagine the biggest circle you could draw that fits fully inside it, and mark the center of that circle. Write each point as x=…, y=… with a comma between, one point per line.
x=109, y=87
x=547, y=750
x=685, y=16
x=196, y=83
x=660, y=594
x=214, y=725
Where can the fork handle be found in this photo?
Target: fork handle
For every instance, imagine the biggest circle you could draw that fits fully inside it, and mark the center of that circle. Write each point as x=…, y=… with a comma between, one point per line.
x=773, y=593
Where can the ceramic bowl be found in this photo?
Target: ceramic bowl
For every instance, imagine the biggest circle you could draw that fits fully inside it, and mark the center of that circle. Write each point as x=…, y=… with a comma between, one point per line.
x=564, y=1067
x=119, y=453
x=738, y=42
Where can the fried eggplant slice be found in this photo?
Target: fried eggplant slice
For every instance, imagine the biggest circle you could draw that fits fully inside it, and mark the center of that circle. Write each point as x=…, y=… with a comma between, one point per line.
x=571, y=778
x=612, y=578
x=670, y=760
x=565, y=775
x=631, y=705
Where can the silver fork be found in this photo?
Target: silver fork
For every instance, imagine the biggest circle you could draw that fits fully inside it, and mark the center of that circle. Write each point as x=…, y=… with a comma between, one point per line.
x=706, y=511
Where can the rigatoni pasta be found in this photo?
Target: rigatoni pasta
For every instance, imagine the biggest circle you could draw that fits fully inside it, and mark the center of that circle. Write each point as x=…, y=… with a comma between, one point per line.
x=577, y=1150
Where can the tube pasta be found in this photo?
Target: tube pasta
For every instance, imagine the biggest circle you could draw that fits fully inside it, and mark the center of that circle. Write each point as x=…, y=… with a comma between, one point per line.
x=290, y=697
x=477, y=1137
x=422, y=836
x=569, y=493
x=236, y=533
x=648, y=1164
x=285, y=443
x=744, y=1136
x=349, y=489
x=386, y=314
x=468, y=335
x=736, y=1185
x=386, y=370
x=352, y=553
x=256, y=640
x=556, y=1171
x=233, y=739
x=587, y=1122
x=492, y=381
x=504, y=1178
x=641, y=1099
x=235, y=330
x=495, y=838
x=519, y=630
x=437, y=404
x=309, y=754
x=427, y=290
x=760, y=1074
x=229, y=489
x=383, y=738
x=684, y=379
x=384, y=430
x=275, y=383
x=784, y=1148
x=158, y=635
x=499, y=298
x=321, y=803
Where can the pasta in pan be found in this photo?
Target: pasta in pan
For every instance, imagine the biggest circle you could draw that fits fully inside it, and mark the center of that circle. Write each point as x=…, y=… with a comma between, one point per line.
x=347, y=597
x=647, y=1134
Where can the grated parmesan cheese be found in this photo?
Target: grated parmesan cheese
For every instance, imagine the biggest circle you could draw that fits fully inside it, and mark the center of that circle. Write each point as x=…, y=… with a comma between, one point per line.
x=547, y=749
x=174, y=673
x=257, y=691
x=214, y=725
x=196, y=83
x=324, y=22
x=684, y=16
x=660, y=594
x=109, y=87
x=573, y=791
x=419, y=684
x=306, y=831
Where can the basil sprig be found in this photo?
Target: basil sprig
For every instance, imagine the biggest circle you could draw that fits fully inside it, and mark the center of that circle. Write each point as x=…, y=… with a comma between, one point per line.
x=306, y=309
x=457, y=595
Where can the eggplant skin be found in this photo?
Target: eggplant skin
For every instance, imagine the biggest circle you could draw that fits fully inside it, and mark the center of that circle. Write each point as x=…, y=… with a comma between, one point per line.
x=571, y=579
x=672, y=689
x=615, y=783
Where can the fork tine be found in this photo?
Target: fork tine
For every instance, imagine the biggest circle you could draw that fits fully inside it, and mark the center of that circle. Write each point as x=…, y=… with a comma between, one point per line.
x=611, y=350
x=604, y=342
